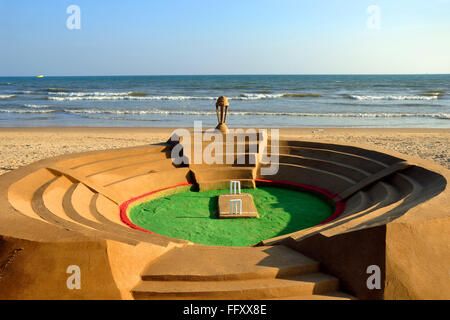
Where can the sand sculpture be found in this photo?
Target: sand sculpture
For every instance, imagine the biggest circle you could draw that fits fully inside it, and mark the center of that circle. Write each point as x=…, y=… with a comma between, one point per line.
x=391, y=211
x=236, y=204
x=222, y=104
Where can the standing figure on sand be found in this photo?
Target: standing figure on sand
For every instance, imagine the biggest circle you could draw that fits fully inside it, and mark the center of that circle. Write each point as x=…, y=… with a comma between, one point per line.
x=222, y=103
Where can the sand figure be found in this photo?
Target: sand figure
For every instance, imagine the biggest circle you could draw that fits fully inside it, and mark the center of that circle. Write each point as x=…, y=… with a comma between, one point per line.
x=222, y=103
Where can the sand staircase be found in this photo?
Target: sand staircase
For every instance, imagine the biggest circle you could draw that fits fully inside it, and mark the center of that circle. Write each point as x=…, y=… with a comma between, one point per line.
x=81, y=197
x=274, y=272
x=236, y=160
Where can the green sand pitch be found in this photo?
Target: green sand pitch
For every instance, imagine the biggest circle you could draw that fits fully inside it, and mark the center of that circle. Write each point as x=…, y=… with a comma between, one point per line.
x=192, y=216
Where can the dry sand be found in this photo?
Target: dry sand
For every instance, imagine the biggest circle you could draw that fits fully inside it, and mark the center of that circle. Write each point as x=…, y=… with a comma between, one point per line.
x=21, y=146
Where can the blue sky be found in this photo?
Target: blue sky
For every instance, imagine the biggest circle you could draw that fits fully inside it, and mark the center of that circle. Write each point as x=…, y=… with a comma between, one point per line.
x=155, y=37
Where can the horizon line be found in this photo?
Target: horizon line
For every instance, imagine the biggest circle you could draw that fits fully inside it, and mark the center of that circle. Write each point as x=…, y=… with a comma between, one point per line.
x=230, y=74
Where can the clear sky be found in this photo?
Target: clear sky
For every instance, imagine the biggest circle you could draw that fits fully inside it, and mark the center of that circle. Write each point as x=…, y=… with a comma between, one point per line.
x=157, y=37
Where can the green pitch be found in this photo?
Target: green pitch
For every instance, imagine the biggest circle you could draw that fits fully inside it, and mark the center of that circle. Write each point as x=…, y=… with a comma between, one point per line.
x=192, y=216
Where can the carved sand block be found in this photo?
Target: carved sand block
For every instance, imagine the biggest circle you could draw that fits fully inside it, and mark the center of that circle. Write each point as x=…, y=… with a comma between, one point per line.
x=226, y=207
x=236, y=204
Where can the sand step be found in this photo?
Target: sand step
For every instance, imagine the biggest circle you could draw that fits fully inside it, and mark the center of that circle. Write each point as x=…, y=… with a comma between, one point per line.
x=106, y=155
x=21, y=193
x=326, y=180
x=26, y=219
x=375, y=156
x=373, y=197
x=235, y=273
x=203, y=263
x=77, y=203
x=380, y=175
x=307, y=284
x=227, y=160
x=53, y=204
x=392, y=195
x=376, y=214
x=352, y=160
x=136, y=186
x=111, y=164
x=219, y=178
x=387, y=200
x=107, y=213
x=416, y=187
x=225, y=184
x=337, y=295
x=47, y=202
x=343, y=169
x=203, y=175
x=200, y=155
x=80, y=199
x=128, y=171
x=357, y=203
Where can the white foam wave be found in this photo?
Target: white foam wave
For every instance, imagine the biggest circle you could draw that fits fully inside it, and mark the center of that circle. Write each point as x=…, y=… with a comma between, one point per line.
x=260, y=113
x=77, y=96
x=27, y=111
x=125, y=97
x=7, y=96
x=392, y=97
x=88, y=94
x=116, y=112
x=37, y=106
x=258, y=96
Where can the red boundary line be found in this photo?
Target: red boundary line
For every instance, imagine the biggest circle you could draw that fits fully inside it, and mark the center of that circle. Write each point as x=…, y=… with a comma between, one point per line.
x=124, y=206
x=339, y=208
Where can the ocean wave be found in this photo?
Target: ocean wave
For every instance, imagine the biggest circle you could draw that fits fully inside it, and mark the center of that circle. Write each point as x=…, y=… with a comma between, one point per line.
x=7, y=96
x=27, y=111
x=47, y=109
x=138, y=94
x=127, y=97
x=132, y=95
x=99, y=94
x=302, y=95
x=257, y=96
x=56, y=90
x=37, y=106
x=390, y=97
x=261, y=113
x=435, y=93
x=262, y=96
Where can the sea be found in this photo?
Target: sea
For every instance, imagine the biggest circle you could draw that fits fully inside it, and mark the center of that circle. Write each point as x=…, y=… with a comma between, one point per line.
x=406, y=101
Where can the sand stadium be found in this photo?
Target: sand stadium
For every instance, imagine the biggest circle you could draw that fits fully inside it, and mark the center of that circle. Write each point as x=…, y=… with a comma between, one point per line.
x=387, y=209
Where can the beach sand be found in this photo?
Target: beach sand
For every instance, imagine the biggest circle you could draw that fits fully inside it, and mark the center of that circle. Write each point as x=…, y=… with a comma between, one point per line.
x=22, y=146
